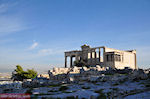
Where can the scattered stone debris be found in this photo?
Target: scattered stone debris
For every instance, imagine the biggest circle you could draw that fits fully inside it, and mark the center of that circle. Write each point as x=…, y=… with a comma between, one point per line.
x=83, y=82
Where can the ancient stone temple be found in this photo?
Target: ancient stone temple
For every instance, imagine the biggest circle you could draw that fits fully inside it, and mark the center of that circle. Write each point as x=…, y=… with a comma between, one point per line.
x=103, y=56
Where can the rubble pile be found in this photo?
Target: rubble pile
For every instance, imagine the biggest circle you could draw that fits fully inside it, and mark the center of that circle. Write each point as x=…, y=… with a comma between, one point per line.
x=97, y=73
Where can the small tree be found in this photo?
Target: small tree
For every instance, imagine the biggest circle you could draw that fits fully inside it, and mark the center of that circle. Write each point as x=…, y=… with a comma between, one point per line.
x=80, y=63
x=31, y=73
x=19, y=74
x=19, y=69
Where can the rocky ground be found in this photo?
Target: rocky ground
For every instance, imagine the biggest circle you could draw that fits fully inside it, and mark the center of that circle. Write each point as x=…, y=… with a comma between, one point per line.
x=95, y=90
x=90, y=84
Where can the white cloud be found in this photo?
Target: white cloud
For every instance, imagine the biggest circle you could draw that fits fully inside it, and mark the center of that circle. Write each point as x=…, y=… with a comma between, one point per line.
x=33, y=46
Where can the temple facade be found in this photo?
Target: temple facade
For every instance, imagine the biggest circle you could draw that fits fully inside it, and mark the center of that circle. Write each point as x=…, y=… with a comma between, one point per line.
x=103, y=56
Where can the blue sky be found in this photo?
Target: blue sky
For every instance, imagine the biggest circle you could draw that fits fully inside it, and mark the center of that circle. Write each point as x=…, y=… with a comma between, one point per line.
x=35, y=33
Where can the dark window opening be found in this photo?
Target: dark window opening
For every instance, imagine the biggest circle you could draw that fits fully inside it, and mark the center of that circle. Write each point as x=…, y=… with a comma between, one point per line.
x=107, y=57
x=117, y=57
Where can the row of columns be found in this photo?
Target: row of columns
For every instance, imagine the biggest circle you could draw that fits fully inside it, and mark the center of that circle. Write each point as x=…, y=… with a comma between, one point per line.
x=91, y=56
x=71, y=60
x=95, y=54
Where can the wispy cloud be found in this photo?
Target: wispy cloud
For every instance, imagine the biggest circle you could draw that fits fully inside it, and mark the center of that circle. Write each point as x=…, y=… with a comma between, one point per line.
x=10, y=23
x=6, y=40
x=4, y=7
x=33, y=46
x=45, y=52
x=49, y=51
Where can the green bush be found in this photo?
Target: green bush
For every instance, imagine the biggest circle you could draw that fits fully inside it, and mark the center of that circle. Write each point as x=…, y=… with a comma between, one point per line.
x=19, y=74
x=85, y=87
x=62, y=88
x=29, y=91
x=80, y=63
x=101, y=94
x=71, y=97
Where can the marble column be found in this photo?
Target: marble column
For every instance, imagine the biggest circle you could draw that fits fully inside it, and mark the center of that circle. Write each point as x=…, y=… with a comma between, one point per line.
x=70, y=61
x=91, y=55
x=95, y=56
x=99, y=54
x=65, y=61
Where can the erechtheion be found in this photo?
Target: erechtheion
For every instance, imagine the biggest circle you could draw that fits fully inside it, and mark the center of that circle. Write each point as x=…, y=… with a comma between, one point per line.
x=103, y=56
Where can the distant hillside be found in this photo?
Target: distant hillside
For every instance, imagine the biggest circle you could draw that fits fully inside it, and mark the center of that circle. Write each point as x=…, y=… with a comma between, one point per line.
x=5, y=75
